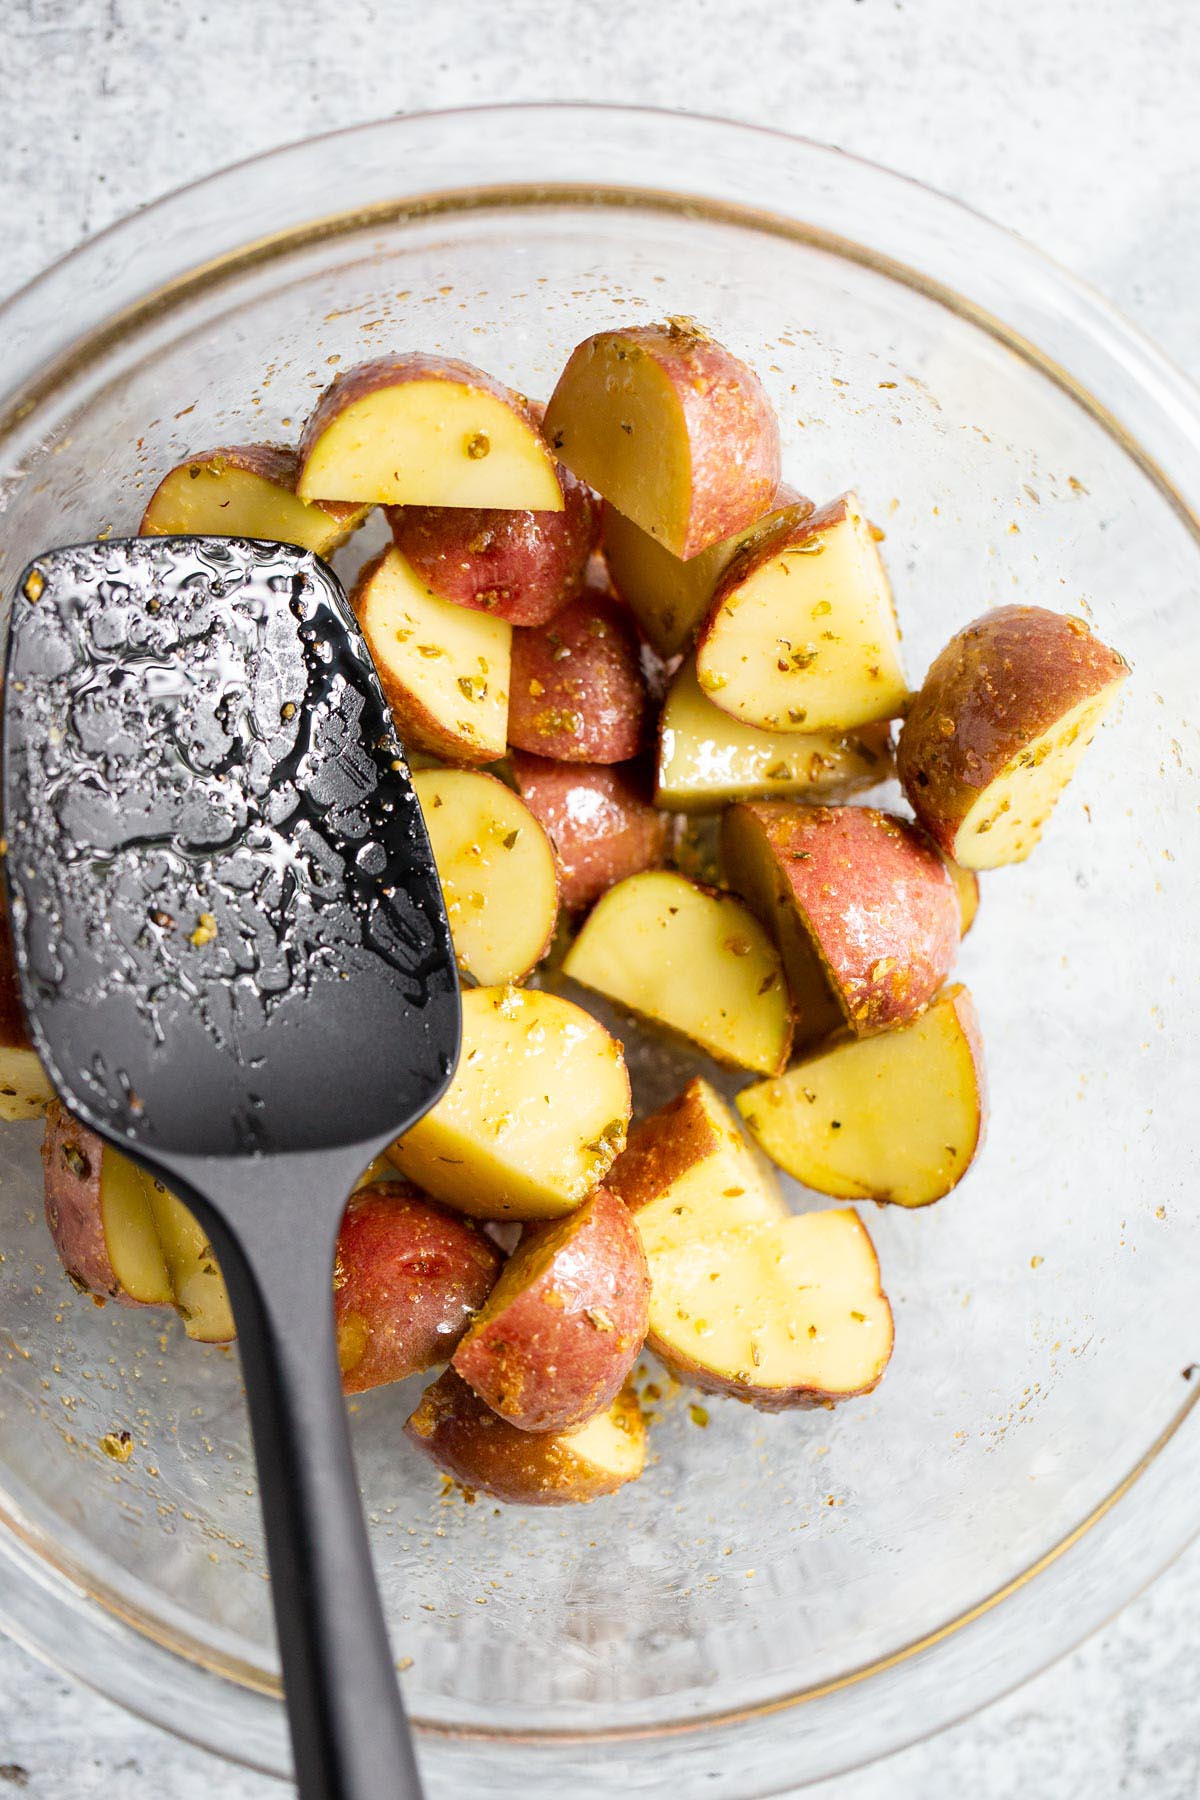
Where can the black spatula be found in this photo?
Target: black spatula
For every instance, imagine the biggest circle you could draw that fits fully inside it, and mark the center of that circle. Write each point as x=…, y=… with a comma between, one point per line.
x=236, y=964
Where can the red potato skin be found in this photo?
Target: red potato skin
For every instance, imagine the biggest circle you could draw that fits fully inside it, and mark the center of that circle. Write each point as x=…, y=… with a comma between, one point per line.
x=577, y=692
x=465, y=1438
x=599, y=821
x=408, y=1277
x=277, y=463
x=555, y=1345
x=71, y=1159
x=730, y=423
x=1000, y=682
x=520, y=566
x=663, y=1147
x=875, y=894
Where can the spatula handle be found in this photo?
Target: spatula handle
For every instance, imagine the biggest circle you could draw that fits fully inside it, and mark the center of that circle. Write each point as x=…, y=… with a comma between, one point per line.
x=350, y=1736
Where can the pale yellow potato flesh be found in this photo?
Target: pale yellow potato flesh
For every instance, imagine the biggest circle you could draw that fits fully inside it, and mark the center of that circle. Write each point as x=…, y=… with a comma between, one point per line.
x=781, y=1314
x=621, y=428
x=668, y=595
x=25, y=1090
x=966, y=891
x=217, y=497
x=196, y=1280
x=707, y=758
x=130, y=1234
x=696, y=962
x=729, y=1185
x=432, y=443
x=444, y=668
x=497, y=871
x=1008, y=818
x=535, y=1115
x=809, y=641
x=896, y=1117
x=610, y=1444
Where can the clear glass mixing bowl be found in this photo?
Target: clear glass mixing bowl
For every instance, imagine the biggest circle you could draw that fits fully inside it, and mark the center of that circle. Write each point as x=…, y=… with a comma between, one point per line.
x=780, y=1597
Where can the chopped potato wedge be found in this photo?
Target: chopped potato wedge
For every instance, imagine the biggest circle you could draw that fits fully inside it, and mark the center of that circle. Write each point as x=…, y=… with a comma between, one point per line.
x=462, y=1436
x=443, y=668
x=998, y=728
x=534, y=1117
x=691, y=959
x=99, y=1215
x=898, y=1117
x=497, y=871
x=966, y=889
x=578, y=692
x=201, y=1297
x=25, y=1088
x=599, y=820
x=707, y=758
x=248, y=490
x=671, y=428
x=417, y=430
x=802, y=635
x=789, y=1314
x=687, y=1172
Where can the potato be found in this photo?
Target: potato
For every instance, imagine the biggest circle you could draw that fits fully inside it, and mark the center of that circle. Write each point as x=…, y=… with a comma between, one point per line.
x=465, y=1438
x=534, y=1117
x=578, y=693
x=565, y=1323
x=418, y=430
x=444, y=670
x=598, y=819
x=860, y=902
x=687, y=1172
x=693, y=960
x=497, y=872
x=671, y=428
x=248, y=490
x=99, y=1215
x=201, y=1297
x=802, y=635
x=999, y=727
x=966, y=891
x=407, y=1277
x=519, y=566
x=707, y=758
x=25, y=1087
x=669, y=597
x=898, y=1117
x=779, y=1315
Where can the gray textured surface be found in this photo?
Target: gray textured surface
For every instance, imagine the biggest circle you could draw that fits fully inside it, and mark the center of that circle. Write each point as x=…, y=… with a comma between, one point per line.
x=1075, y=122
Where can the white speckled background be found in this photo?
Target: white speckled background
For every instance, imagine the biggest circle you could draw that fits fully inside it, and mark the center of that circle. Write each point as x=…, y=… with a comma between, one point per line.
x=1075, y=122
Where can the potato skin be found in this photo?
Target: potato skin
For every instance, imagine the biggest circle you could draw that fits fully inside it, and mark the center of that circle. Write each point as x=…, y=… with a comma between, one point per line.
x=663, y=1147
x=873, y=892
x=463, y=1436
x=566, y=1321
x=520, y=566
x=277, y=463
x=1001, y=681
x=577, y=692
x=731, y=428
x=71, y=1161
x=408, y=1276
x=600, y=823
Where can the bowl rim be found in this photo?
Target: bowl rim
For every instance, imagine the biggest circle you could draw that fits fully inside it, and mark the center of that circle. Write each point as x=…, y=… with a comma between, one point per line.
x=1120, y=363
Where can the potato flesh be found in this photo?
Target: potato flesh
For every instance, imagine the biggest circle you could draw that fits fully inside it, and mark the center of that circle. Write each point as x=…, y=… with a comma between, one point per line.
x=25, y=1089
x=727, y=1186
x=706, y=757
x=450, y=663
x=497, y=871
x=535, y=1114
x=897, y=1117
x=219, y=498
x=196, y=1279
x=698, y=963
x=668, y=595
x=432, y=443
x=809, y=641
x=610, y=1446
x=130, y=1235
x=1008, y=818
x=782, y=1312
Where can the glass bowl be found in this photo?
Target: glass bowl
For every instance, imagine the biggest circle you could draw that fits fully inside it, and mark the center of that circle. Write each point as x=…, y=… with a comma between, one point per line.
x=780, y=1597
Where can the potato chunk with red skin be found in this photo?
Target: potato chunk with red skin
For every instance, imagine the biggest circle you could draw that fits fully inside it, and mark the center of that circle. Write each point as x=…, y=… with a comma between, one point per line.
x=247, y=490
x=471, y=1443
x=670, y=427
x=576, y=690
x=564, y=1324
x=599, y=821
x=998, y=728
x=860, y=901
x=99, y=1216
x=520, y=566
x=408, y=1278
